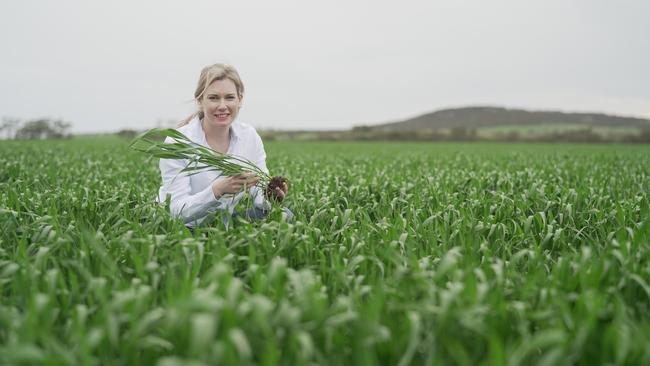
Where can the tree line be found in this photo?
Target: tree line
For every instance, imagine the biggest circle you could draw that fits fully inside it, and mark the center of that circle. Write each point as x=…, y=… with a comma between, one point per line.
x=367, y=133
x=34, y=129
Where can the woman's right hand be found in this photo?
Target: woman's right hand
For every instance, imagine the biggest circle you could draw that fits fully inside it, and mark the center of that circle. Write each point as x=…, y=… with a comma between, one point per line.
x=234, y=184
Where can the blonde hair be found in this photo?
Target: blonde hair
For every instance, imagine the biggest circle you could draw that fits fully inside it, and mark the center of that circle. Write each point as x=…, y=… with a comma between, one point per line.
x=208, y=75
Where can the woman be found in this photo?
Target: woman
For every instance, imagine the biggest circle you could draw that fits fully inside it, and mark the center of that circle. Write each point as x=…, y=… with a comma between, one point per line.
x=197, y=199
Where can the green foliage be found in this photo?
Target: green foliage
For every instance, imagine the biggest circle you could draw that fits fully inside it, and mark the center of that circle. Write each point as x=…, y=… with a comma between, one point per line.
x=401, y=254
x=199, y=158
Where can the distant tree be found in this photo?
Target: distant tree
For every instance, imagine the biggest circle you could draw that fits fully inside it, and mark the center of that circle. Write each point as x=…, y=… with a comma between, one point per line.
x=43, y=128
x=9, y=125
x=362, y=128
x=644, y=136
x=462, y=134
x=34, y=129
x=127, y=133
x=60, y=129
x=511, y=136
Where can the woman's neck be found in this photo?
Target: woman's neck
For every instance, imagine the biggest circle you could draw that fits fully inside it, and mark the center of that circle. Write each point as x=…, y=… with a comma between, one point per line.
x=217, y=137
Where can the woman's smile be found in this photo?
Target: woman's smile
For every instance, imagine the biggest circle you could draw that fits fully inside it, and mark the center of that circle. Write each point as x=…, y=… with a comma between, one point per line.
x=221, y=102
x=222, y=117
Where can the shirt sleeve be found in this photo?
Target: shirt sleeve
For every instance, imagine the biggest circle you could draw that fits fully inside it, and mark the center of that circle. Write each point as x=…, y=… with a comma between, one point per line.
x=259, y=158
x=189, y=207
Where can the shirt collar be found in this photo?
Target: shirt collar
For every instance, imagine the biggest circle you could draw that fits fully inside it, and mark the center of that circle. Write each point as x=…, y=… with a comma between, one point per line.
x=235, y=130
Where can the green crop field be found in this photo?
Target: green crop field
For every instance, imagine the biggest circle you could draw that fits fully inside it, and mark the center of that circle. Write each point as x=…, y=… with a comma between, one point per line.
x=401, y=254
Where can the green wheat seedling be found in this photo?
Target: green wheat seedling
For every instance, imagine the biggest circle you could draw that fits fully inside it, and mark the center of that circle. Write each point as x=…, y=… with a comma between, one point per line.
x=400, y=254
x=200, y=158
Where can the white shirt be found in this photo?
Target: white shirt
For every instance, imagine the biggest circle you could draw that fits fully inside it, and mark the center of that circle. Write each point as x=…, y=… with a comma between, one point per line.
x=192, y=198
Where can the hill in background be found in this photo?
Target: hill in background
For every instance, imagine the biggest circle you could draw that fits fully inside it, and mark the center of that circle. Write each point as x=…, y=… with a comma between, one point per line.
x=480, y=123
x=481, y=117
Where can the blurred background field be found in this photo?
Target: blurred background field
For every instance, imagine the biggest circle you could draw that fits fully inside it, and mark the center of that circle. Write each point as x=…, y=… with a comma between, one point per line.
x=401, y=253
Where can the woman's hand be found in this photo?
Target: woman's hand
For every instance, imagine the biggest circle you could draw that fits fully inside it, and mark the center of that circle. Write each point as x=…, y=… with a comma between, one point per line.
x=234, y=184
x=277, y=189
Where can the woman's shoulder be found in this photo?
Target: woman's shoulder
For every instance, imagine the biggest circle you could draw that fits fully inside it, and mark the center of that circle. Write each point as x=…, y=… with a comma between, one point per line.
x=189, y=130
x=183, y=129
x=245, y=127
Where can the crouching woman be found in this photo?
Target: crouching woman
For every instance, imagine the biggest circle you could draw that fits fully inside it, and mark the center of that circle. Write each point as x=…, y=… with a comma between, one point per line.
x=200, y=198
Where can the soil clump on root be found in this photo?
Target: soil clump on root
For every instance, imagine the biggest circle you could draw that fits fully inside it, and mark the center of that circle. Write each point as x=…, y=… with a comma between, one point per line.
x=275, y=182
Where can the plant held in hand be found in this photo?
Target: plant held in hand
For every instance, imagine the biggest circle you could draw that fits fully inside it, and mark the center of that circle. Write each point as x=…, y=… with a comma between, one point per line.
x=200, y=158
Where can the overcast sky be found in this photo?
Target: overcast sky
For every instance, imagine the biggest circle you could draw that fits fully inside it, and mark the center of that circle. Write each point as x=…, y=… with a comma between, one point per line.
x=117, y=64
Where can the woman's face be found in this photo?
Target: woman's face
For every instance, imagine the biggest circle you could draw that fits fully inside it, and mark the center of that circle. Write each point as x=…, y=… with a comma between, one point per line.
x=220, y=103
